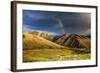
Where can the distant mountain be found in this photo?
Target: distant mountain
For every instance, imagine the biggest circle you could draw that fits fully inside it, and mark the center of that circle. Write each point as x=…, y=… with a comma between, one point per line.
x=73, y=41
x=42, y=34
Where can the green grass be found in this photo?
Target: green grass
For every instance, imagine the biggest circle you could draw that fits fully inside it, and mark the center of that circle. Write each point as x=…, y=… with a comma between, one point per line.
x=51, y=55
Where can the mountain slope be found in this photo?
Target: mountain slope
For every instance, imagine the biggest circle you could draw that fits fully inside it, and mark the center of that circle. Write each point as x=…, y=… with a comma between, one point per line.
x=31, y=41
x=73, y=41
x=37, y=48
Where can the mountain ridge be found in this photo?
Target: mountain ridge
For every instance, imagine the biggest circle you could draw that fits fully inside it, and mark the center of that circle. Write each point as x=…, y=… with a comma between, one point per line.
x=73, y=41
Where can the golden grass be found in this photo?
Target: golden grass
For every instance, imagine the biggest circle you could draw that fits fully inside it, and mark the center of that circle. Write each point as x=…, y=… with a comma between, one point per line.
x=85, y=42
x=37, y=49
x=36, y=42
x=52, y=55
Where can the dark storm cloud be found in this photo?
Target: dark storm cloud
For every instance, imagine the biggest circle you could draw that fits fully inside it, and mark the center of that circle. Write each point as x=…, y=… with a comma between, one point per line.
x=56, y=22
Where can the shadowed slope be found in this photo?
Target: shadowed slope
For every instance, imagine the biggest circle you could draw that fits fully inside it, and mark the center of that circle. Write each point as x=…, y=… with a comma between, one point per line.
x=73, y=41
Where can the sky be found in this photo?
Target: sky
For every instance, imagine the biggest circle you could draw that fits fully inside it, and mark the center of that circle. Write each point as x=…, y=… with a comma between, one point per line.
x=56, y=22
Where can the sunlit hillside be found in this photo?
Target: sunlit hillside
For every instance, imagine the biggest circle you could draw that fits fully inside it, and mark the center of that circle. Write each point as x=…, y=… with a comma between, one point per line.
x=37, y=48
x=31, y=41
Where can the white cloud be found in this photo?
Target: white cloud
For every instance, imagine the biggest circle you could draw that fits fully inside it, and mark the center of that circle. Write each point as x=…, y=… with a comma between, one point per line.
x=85, y=32
x=26, y=28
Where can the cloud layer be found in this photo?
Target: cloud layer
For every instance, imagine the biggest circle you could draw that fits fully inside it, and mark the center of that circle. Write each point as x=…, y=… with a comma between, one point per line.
x=56, y=22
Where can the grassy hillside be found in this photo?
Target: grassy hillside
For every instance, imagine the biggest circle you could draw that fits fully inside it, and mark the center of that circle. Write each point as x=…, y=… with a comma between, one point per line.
x=35, y=42
x=38, y=55
x=85, y=42
x=36, y=48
